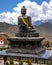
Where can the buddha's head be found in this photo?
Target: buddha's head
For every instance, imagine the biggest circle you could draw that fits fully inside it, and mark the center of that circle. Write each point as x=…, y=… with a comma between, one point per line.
x=23, y=10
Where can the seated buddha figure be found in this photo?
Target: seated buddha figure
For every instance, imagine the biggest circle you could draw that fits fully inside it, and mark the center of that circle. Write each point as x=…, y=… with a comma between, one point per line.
x=24, y=22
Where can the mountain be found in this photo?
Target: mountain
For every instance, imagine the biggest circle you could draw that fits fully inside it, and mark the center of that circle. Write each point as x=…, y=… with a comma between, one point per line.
x=49, y=21
x=39, y=22
x=7, y=28
x=44, y=29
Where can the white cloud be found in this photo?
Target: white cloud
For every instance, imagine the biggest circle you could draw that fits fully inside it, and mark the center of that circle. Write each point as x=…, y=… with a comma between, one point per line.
x=37, y=12
x=26, y=0
x=45, y=7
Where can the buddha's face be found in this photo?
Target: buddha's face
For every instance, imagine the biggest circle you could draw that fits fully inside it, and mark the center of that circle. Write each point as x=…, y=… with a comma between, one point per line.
x=23, y=10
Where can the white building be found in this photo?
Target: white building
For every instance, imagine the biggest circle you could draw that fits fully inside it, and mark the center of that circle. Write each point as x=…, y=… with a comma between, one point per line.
x=1, y=42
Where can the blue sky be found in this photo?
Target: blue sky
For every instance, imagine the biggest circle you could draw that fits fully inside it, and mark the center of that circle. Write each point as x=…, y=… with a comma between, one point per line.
x=8, y=5
x=37, y=9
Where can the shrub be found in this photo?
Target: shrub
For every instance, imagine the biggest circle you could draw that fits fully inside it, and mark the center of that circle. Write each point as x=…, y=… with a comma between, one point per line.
x=11, y=62
x=21, y=62
x=29, y=62
x=7, y=63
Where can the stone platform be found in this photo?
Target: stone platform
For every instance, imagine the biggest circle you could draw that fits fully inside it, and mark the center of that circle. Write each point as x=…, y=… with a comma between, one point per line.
x=46, y=55
x=31, y=33
x=25, y=38
x=29, y=45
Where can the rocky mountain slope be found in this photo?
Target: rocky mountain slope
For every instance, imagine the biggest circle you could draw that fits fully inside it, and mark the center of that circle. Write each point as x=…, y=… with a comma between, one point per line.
x=44, y=29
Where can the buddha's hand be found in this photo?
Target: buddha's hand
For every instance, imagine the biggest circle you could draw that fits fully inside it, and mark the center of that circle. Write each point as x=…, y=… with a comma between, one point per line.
x=29, y=27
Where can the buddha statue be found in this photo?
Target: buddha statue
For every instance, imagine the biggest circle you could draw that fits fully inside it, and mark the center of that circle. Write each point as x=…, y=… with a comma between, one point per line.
x=24, y=22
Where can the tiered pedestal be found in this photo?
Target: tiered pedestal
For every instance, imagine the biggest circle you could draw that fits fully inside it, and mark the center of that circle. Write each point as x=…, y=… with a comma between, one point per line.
x=26, y=45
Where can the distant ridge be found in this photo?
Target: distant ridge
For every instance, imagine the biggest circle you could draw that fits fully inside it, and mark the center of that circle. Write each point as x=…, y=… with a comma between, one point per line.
x=7, y=28
x=44, y=29
x=39, y=22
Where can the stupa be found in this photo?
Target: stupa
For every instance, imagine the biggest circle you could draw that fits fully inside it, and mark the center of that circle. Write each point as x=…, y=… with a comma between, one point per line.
x=27, y=39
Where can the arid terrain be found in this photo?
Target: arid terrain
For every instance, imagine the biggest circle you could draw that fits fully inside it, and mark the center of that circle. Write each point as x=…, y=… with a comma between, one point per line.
x=45, y=29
